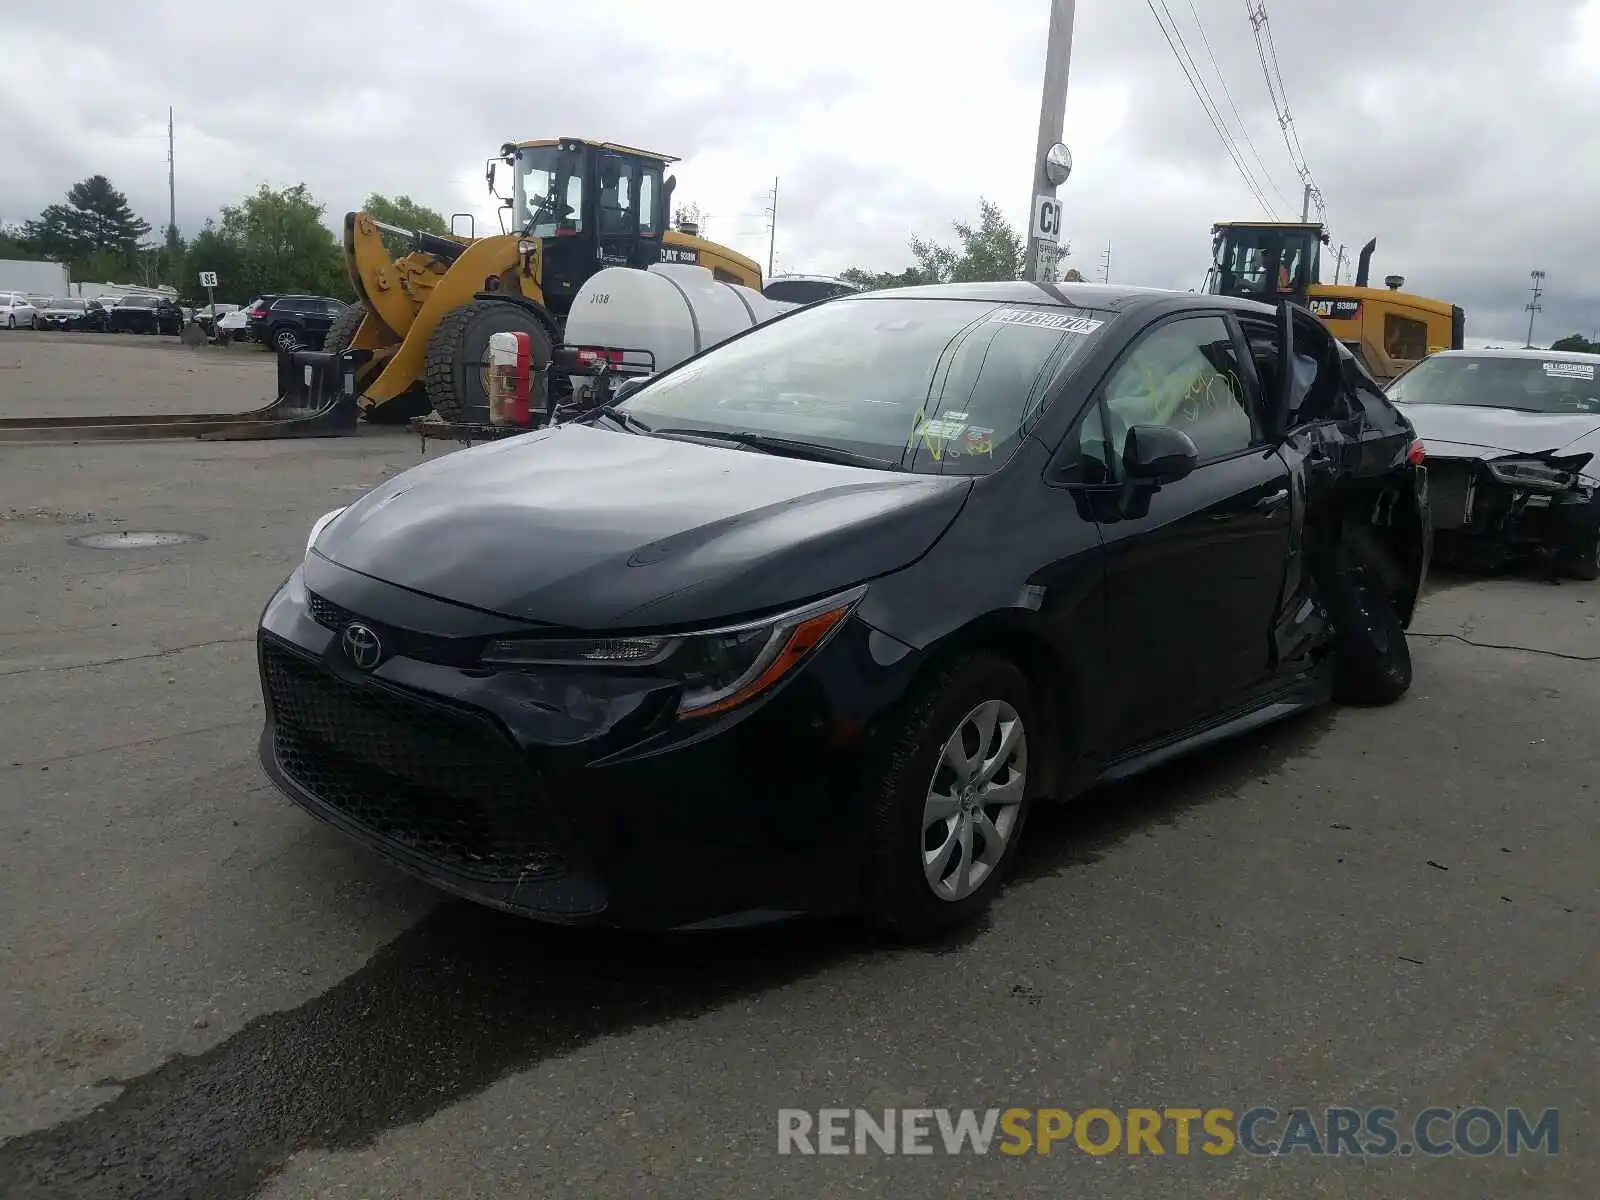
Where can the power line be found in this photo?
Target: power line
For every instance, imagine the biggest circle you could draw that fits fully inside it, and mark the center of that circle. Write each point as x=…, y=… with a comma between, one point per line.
x=1267, y=54
x=1237, y=116
x=1198, y=87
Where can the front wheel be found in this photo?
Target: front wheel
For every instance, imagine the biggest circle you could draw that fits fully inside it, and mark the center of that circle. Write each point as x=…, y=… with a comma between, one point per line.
x=948, y=798
x=286, y=340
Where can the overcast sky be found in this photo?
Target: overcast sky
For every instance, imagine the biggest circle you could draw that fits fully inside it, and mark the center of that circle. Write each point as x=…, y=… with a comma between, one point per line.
x=1460, y=133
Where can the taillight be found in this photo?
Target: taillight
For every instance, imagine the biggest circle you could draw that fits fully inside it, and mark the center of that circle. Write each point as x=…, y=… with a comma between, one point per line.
x=588, y=356
x=1415, y=455
x=257, y=312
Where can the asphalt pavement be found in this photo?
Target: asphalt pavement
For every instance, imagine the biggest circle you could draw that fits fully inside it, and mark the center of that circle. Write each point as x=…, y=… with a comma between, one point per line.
x=206, y=993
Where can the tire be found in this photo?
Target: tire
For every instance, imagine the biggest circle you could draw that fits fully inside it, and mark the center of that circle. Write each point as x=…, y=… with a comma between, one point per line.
x=1372, y=659
x=911, y=890
x=11, y=321
x=343, y=330
x=286, y=339
x=1581, y=564
x=459, y=349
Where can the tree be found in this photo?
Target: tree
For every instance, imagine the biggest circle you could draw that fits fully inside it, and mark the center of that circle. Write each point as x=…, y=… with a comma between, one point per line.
x=211, y=251
x=990, y=250
x=14, y=245
x=408, y=214
x=689, y=214
x=283, y=244
x=1576, y=341
x=95, y=218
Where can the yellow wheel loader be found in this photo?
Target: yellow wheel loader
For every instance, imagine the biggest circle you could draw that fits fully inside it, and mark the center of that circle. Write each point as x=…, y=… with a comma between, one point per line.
x=1387, y=329
x=576, y=207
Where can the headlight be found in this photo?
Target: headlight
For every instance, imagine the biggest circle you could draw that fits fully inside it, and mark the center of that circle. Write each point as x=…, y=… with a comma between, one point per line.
x=319, y=525
x=719, y=668
x=1531, y=474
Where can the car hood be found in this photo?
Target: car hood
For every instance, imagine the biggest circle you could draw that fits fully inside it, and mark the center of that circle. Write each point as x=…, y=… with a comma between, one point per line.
x=1470, y=431
x=595, y=529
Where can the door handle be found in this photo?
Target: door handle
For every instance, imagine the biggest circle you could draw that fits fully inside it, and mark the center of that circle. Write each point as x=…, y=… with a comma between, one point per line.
x=1271, y=504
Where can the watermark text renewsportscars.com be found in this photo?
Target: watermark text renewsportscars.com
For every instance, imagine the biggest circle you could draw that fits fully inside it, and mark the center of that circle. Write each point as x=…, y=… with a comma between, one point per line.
x=1265, y=1131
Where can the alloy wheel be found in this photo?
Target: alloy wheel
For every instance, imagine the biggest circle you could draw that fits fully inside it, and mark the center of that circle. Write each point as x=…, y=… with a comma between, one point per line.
x=974, y=800
x=287, y=341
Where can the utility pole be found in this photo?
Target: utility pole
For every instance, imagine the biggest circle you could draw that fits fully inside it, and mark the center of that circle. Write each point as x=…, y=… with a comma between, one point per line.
x=1533, y=305
x=1338, y=264
x=1052, y=114
x=772, y=227
x=172, y=179
x=1305, y=205
x=1105, y=265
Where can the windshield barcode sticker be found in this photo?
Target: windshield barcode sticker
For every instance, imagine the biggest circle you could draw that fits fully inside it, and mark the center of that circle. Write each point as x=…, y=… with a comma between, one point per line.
x=941, y=431
x=1044, y=320
x=1569, y=370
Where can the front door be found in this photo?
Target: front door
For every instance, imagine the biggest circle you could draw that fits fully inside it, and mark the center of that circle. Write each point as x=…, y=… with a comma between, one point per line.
x=617, y=210
x=1194, y=569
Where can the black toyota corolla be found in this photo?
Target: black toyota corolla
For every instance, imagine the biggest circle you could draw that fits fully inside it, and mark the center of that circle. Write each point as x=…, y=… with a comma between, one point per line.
x=809, y=622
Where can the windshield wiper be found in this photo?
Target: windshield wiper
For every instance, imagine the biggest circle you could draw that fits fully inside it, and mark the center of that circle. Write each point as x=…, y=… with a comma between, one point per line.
x=623, y=420
x=790, y=448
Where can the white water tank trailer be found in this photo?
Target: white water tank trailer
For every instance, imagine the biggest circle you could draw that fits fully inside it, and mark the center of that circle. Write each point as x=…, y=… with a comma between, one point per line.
x=660, y=316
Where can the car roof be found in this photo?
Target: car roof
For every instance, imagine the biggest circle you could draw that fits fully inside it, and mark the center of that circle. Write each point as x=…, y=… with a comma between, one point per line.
x=1112, y=297
x=1521, y=352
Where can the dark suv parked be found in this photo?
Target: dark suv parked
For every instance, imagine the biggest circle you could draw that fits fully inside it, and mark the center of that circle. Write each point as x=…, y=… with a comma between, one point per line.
x=291, y=323
x=145, y=314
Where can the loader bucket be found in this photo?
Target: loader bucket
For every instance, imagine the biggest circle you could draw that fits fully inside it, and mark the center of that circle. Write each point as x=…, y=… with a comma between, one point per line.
x=316, y=398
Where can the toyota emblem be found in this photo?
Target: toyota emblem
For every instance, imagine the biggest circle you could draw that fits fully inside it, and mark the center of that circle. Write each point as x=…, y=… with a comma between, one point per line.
x=361, y=646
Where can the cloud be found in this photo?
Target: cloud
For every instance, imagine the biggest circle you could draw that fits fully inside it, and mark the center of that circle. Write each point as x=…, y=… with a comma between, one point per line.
x=1453, y=132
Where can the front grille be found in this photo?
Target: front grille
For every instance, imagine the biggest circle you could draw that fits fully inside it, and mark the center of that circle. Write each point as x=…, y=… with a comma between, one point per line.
x=443, y=784
x=328, y=614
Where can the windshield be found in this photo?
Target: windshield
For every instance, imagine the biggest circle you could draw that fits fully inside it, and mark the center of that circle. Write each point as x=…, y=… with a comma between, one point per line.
x=941, y=386
x=1525, y=384
x=549, y=192
x=137, y=302
x=68, y=305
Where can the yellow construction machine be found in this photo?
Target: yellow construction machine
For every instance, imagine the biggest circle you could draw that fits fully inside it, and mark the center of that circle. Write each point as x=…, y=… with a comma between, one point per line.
x=576, y=206
x=1386, y=328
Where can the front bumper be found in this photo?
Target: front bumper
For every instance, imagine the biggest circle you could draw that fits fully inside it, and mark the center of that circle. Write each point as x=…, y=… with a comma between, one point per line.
x=1470, y=504
x=522, y=793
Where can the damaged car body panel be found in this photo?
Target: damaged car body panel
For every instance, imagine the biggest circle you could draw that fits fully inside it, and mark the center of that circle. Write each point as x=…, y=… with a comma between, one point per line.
x=1511, y=438
x=555, y=673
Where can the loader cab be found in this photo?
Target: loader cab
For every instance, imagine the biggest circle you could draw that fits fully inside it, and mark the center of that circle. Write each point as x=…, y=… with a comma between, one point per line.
x=1265, y=261
x=592, y=204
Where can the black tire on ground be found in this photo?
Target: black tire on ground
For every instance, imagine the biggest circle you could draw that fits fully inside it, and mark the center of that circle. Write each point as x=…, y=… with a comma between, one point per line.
x=1582, y=564
x=1372, y=659
x=337, y=339
x=897, y=896
x=458, y=352
x=285, y=339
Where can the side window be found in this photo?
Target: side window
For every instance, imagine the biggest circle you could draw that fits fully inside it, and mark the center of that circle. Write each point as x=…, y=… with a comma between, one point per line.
x=1184, y=374
x=1404, y=338
x=1319, y=391
x=617, y=212
x=649, y=189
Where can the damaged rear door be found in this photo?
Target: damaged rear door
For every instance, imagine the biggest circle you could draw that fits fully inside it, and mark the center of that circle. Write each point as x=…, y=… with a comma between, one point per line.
x=1357, y=487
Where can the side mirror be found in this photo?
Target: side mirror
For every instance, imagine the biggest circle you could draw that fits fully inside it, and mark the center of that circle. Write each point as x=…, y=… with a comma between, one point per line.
x=1157, y=454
